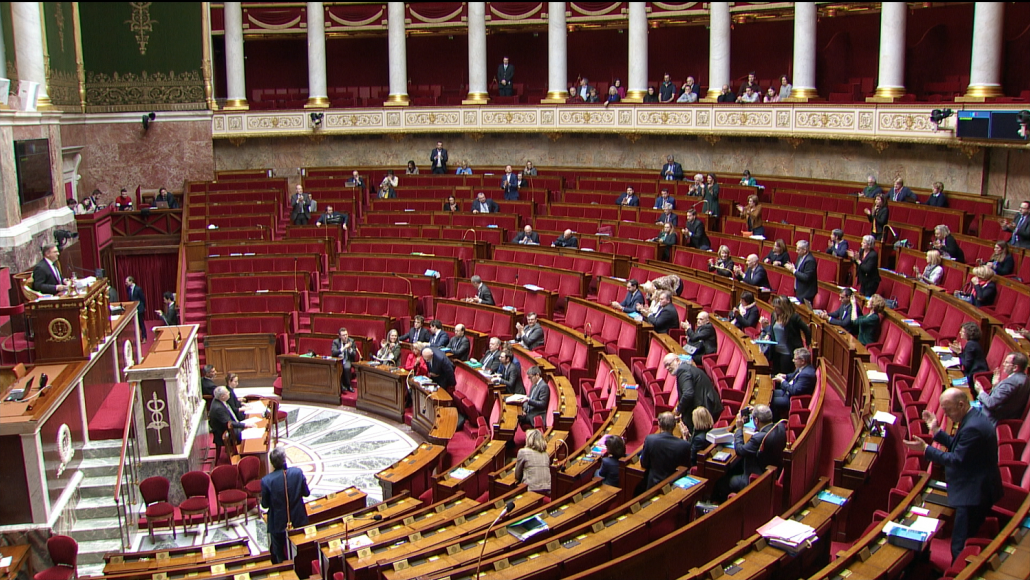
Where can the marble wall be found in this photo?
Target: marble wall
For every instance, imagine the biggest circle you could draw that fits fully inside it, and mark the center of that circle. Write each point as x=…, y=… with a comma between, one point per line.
x=919, y=165
x=117, y=152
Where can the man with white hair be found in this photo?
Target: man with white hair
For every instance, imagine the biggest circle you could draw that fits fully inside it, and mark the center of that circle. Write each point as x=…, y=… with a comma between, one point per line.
x=492, y=357
x=765, y=447
x=666, y=318
x=695, y=390
x=483, y=294
x=527, y=237
x=806, y=282
x=566, y=240
x=703, y=339
x=220, y=417
x=484, y=205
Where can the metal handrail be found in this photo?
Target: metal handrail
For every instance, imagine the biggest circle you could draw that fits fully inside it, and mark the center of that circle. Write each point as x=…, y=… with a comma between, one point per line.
x=125, y=497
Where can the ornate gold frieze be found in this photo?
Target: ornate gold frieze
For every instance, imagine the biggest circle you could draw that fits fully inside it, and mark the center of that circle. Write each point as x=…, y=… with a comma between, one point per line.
x=141, y=24
x=131, y=92
x=685, y=118
x=509, y=117
x=354, y=120
x=743, y=119
x=905, y=122
x=426, y=118
x=825, y=120
x=63, y=88
x=576, y=117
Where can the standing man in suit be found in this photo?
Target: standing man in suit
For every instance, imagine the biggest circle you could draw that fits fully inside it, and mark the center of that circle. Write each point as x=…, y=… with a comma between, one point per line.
x=484, y=205
x=695, y=390
x=531, y=336
x=755, y=273
x=900, y=193
x=505, y=74
x=539, y=396
x=838, y=245
x=440, y=368
x=806, y=284
x=527, y=237
x=417, y=333
x=438, y=336
x=666, y=318
x=663, y=451
x=703, y=339
x=483, y=294
x=170, y=316
x=799, y=382
x=492, y=357
x=344, y=349
x=300, y=207
x=438, y=159
x=694, y=232
x=671, y=171
x=765, y=447
x=510, y=184
x=1020, y=228
x=584, y=88
x=509, y=374
x=135, y=294
x=282, y=494
x=970, y=460
x=633, y=297
x=459, y=343
x=46, y=275
x=1008, y=397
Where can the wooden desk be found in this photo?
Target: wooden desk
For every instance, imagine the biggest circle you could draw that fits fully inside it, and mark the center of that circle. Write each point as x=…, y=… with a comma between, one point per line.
x=334, y=505
x=118, y=564
x=426, y=405
x=1007, y=556
x=19, y=556
x=381, y=389
x=421, y=462
x=311, y=379
x=488, y=458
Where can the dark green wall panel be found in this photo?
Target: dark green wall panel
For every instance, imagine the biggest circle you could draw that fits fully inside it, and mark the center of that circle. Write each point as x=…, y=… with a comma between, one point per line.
x=62, y=75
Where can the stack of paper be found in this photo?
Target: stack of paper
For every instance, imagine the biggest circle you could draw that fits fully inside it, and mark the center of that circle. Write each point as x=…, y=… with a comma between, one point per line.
x=788, y=535
x=461, y=473
x=876, y=376
x=516, y=399
x=914, y=537
x=252, y=433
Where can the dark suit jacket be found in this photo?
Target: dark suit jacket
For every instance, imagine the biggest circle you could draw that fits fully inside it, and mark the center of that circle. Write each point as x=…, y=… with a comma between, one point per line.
x=756, y=276
x=970, y=461
x=633, y=202
x=484, y=295
x=443, y=157
x=274, y=490
x=440, y=339
x=629, y=303
x=338, y=351
x=511, y=378
x=842, y=315
x=703, y=337
x=420, y=335
x=219, y=417
x=334, y=219
x=523, y=238
x=665, y=319
x=696, y=390
x=670, y=218
x=840, y=249
x=879, y=220
x=937, y=200
x=728, y=97
x=663, y=453
x=1007, y=399
x=510, y=182
x=660, y=204
x=1021, y=232
x=697, y=238
x=43, y=278
x=171, y=315
x=973, y=359
x=491, y=360
x=136, y=294
x=298, y=208
x=441, y=369
x=952, y=248
x=904, y=194
x=671, y=168
x=460, y=347
x=539, y=398
x=490, y=206
x=749, y=320
x=505, y=74
x=984, y=294
x=765, y=448
x=532, y=336
x=806, y=283
x=569, y=242
x=207, y=386
x=1006, y=266
x=868, y=274
x=800, y=382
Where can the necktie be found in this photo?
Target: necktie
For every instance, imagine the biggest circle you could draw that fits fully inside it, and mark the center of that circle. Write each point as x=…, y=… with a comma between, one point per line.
x=56, y=266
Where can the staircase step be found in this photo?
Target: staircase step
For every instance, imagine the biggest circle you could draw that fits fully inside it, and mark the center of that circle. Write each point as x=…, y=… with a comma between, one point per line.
x=101, y=466
x=102, y=448
x=92, y=552
x=95, y=529
x=98, y=486
x=96, y=507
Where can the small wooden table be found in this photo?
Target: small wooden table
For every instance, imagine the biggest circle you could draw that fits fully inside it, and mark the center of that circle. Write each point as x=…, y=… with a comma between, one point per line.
x=19, y=555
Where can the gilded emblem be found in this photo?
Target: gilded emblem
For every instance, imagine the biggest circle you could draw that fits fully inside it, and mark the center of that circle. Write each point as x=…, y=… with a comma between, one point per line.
x=60, y=330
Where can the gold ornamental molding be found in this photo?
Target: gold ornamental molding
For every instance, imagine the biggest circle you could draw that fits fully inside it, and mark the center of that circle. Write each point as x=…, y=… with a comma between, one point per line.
x=879, y=124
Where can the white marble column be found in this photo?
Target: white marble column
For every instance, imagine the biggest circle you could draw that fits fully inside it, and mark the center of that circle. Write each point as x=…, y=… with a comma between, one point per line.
x=3, y=54
x=235, y=75
x=719, y=49
x=28, y=46
x=637, y=78
x=891, y=83
x=318, y=98
x=985, y=70
x=478, y=94
x=398, y=56
x=557, y=56
x=804, y=51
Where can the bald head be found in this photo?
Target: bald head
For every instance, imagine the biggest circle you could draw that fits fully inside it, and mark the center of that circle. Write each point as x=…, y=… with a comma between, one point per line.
x=955, y=404
x=671, y=362
x=567, y=233
x=427, y=353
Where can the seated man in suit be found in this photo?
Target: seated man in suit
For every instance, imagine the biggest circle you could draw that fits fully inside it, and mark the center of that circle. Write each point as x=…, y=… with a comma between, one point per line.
x=418, y=332
x=665, y=318
x=746, y=314
x=343, y=348
x=531, y=335
x=694, y=232
x=527, y=237
x=167, y=198
x=333, y=218
x=207, y=381
x=483, y=294
x=900, y=193
x=1008, y=397
x=439, y=367
x=539, y=396
x=484, y=205
x=170, y=316
x=668, y=217
x=799, y=382
x=628, y=199
x=663, y=452
x=664, y=199
x=459, y=343
x=633, y=297
x=355, y=180
x=509, y=374
x=220, y=417
x=703, y=339
x=838, y=245
x=566, y=240
x=754, y=274
x=492, y=357
x=46, y=275
x=765, y=448
x=438, y=337
x=1020, y=228
x=842, y=315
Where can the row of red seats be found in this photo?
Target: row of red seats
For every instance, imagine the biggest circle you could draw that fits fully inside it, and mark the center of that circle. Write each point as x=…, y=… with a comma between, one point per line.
x=490, y=320
x=517, y=297
x=462, y=220
x=591, y=265
x=565, y=283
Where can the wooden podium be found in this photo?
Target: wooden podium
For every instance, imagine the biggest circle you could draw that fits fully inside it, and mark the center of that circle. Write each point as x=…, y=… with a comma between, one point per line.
x=311, y=379
x=70, y=327
x=381, y=390
x=433, y=415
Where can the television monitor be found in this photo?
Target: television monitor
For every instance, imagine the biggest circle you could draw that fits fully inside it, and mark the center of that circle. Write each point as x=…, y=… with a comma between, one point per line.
x=32, y=161
x=973, y=124
x=1005, y=125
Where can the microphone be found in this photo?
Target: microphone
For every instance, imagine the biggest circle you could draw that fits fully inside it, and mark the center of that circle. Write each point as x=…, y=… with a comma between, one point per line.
x=99, y=272
x=510, y=506
x=564, y=462
x=587, y=330
x=473, y=230
x=346, y=538
x=410, y=293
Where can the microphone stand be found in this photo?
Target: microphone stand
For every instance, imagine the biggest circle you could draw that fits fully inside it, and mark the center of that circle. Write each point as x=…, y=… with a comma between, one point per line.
x=479, y=562
x=346, y=541
x=563, y=463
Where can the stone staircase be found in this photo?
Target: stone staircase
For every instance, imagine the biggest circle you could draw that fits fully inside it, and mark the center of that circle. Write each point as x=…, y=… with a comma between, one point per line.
x=96, y=526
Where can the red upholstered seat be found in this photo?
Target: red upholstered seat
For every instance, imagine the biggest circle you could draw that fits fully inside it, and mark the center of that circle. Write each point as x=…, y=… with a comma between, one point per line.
x=230, y=496
x=64, y=552
x=250, y=467
x=154, y=491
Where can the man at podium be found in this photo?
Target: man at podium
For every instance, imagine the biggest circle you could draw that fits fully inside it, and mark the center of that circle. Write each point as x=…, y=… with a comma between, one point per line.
x=46, y=276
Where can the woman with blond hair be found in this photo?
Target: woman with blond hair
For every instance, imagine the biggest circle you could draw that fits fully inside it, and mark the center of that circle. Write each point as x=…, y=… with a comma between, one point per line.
x=533, y=465
x=868, y=325
x=703, y=423
x=934, y=269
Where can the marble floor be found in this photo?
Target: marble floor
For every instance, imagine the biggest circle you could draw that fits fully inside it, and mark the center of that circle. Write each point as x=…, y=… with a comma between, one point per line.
x=335, y=447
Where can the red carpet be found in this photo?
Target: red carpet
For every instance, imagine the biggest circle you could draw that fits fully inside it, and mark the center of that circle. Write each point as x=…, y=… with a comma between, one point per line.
x=109, y=422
